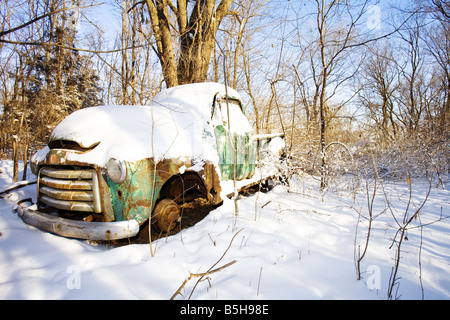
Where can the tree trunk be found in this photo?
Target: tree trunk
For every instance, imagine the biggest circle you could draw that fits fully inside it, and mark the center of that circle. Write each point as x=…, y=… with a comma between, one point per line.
x=196, y=36
x=320, y=25
x=159, y=16
x=15, y=159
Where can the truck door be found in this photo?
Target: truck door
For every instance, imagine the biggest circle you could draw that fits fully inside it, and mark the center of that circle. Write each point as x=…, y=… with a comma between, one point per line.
x=235, y=146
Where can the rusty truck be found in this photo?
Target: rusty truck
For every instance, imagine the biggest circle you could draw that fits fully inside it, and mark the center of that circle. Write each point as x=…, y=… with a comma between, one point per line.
x=108, y=170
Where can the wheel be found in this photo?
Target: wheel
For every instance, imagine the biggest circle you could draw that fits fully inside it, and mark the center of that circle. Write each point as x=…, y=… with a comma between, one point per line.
x=166, y=215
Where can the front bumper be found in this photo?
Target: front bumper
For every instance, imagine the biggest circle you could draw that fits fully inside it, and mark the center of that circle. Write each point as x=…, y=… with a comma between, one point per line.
x=77, y=229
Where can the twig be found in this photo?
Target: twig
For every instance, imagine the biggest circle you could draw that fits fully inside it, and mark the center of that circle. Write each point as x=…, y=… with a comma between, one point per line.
x=370, y=201
x=259, y=281
x=210, y=271
x=402, y=228
x=420, y=258
x=196, y=275
x=266, y=203
x=16, y=186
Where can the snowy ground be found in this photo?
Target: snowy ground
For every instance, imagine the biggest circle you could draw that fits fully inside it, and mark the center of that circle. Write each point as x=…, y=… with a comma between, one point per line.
x=288, y=245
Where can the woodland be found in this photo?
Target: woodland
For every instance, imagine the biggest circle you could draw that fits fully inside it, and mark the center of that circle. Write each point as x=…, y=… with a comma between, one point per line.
x=358, y=87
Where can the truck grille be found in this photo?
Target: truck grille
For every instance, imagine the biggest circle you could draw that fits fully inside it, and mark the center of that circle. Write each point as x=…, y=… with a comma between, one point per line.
x=73, y=189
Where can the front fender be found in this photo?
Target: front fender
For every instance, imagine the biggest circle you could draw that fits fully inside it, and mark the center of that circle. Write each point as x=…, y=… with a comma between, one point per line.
x=135, y=197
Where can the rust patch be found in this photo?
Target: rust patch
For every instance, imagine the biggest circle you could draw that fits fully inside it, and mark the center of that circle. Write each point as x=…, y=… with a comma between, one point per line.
x=146, y=203
x=212, y=184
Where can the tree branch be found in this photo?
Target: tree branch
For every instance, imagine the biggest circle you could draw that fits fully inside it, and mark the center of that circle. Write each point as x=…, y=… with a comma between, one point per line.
x=210, y=270
x=201, y=275
x=26, y=24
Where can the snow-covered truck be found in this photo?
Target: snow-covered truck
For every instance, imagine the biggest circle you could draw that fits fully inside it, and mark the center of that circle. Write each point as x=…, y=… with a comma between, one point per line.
x=107, y=170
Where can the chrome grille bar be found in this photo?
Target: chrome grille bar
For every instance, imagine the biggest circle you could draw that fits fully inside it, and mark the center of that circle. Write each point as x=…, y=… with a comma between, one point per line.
x=69, y=189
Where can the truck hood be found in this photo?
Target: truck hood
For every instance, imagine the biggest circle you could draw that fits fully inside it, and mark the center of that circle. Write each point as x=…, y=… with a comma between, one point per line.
x=88, y=127
x=175, y=125
x=130, y=133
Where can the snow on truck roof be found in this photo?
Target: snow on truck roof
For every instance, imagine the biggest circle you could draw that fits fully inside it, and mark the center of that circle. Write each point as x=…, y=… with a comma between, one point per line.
x=197, y=95
x=172, y=126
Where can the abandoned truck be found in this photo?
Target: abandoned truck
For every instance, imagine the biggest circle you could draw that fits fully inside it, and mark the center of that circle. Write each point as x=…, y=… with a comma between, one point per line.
x=107, y=170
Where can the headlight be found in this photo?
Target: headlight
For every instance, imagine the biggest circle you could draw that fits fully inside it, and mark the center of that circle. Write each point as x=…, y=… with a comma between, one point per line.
x=116, y=169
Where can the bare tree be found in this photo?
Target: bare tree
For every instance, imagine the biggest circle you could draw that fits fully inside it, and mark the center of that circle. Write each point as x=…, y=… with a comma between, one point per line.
x=438, y=45
x=194, y=27
x=335, y=42
x=334, y=56
x=46, y=78
x=133, y=64
x=380, y=80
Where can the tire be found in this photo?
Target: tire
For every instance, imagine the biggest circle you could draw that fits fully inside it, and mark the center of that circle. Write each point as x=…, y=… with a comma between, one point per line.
x=166, y=215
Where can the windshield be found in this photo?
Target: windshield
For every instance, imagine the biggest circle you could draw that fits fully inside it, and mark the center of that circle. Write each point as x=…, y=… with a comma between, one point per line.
x=228, y=113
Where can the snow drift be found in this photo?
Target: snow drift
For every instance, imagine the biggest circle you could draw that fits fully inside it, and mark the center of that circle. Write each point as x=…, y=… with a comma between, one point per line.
x=294, y=244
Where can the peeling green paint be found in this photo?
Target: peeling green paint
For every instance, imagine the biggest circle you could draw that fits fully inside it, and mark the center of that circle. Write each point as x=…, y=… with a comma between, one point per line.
x=235, y=151
x=136, y=196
